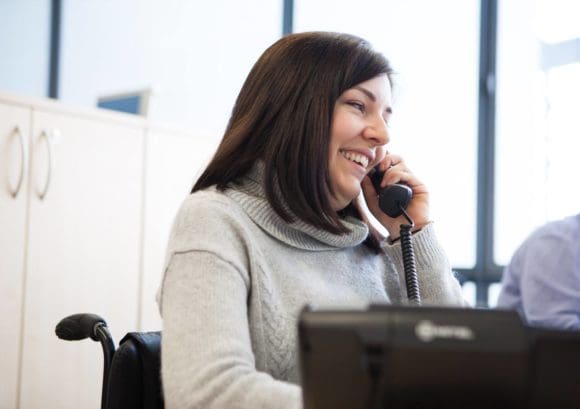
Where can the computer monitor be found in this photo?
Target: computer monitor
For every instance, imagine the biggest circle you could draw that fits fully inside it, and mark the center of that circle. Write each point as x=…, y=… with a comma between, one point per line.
x=133, y=102
x=426, y=357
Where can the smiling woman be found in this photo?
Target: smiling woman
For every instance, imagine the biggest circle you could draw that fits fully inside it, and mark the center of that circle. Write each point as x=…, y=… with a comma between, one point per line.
x=284, y=190
x=295, y=106
x=358, y=136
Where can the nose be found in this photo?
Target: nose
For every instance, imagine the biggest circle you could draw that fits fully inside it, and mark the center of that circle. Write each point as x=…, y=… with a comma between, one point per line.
x=377, y=131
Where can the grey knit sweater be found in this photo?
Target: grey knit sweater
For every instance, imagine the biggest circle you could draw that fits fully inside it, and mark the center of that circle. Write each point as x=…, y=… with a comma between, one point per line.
x=236, y=279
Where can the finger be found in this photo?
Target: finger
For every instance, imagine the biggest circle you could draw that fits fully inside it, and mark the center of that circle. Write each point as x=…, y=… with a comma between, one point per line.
x=389, y=161
x=398, y=175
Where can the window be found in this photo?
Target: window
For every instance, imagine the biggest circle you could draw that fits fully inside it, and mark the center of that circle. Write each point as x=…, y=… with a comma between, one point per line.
x=434, y=127
x=538, y=134
x=24, y=46
x=193, y=60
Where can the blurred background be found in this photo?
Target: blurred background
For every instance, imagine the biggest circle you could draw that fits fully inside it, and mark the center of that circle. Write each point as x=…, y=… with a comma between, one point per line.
x=485, y=91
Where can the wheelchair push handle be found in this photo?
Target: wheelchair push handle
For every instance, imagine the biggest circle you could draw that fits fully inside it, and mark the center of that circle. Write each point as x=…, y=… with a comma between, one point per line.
x=80, y=326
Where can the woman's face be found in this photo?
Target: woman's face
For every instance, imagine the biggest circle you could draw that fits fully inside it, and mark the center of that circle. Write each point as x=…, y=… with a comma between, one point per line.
x=358, y=136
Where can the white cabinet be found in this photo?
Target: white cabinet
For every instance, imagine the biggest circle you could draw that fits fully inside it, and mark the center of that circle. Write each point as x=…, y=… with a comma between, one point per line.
x=14, y=141
x=70, y=242
x=87, y=199
x=174, y=161
x=83, y=253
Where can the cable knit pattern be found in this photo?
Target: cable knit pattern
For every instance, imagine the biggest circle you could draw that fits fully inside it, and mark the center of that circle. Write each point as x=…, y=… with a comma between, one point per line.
x=280, y=344
x=236, y=279
x=298, y=234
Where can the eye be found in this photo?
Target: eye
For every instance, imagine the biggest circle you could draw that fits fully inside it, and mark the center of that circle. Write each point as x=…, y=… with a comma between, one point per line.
x=357, y=105
x=387, y=117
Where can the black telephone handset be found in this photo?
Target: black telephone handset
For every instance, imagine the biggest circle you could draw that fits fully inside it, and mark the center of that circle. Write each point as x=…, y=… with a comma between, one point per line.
x=393, y=200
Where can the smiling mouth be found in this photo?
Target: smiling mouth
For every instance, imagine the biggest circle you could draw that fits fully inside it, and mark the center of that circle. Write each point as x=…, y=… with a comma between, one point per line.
x=356, y=158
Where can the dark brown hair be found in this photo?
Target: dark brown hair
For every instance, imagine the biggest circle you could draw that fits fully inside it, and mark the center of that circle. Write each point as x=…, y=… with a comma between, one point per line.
x=282, y=117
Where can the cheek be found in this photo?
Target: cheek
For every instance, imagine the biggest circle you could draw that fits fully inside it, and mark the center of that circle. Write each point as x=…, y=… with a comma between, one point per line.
x=342, y=129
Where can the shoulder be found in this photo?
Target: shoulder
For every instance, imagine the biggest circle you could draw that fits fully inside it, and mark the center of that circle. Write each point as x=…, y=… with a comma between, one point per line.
x=547, y=245
x=202, y=205
x=567, y=228
x=557, y=232
x=207, y=219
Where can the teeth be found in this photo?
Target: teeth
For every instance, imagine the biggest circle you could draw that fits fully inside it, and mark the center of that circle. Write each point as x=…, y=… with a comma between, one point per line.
x=356, y=157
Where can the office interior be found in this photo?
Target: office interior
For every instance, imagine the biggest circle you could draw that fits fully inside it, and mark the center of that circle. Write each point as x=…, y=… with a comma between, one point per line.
x=485, y=97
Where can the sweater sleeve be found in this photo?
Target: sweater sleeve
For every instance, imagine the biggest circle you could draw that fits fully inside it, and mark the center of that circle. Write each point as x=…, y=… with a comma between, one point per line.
x=437, y=284
x=207, y=359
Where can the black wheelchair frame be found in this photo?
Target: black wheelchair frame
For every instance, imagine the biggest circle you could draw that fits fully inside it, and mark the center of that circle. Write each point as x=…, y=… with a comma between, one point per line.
x=131, y=373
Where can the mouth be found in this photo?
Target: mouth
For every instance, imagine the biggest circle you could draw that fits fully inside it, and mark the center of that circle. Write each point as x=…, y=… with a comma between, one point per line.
x=356, y=157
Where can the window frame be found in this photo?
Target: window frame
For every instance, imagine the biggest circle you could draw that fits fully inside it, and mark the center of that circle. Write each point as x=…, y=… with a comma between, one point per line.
x=485, y=271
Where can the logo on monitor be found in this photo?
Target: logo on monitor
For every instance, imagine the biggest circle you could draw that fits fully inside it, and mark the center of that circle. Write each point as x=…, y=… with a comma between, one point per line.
x=427, y=331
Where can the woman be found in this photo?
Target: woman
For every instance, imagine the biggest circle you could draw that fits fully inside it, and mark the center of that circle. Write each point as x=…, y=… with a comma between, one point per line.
x=275, y=222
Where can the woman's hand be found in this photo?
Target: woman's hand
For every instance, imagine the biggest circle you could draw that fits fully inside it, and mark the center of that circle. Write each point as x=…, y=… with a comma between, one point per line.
x=396, y=171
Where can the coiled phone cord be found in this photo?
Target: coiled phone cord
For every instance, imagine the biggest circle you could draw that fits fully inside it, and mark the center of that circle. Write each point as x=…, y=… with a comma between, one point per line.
x=411, y=281
x=393, y=200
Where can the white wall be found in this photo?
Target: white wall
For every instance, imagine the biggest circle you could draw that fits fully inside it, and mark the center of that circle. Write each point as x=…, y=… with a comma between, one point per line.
x=194, y=55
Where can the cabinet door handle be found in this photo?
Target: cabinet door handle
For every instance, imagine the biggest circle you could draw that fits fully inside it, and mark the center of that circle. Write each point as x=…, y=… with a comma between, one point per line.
x=44, y=136
x=20, y=135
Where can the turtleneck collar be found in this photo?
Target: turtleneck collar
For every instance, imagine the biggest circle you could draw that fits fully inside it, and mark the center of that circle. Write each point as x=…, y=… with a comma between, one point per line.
x=251, y=196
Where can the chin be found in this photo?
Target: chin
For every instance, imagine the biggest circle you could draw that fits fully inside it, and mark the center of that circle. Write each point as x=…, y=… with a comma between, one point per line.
x=346, y=198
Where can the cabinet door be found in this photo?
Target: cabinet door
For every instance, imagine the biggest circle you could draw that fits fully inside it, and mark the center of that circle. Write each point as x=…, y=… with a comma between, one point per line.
x=14, y=141
x=174, y=161
x=86, y=188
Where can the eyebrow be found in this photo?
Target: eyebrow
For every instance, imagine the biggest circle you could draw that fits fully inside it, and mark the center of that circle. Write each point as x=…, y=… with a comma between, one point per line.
x=371, y=96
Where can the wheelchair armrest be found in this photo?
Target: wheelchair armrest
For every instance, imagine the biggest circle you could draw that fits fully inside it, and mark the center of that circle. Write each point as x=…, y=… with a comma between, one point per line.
x=135, y=376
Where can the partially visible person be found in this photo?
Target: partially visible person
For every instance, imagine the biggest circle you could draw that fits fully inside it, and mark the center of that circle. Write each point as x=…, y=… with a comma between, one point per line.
x=542, y=280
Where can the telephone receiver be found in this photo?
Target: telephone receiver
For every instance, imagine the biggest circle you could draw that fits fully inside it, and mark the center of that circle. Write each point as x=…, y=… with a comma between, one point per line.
x=391, y=198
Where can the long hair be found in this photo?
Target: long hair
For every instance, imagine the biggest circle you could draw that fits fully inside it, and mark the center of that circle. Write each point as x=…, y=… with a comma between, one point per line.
x=282, y=117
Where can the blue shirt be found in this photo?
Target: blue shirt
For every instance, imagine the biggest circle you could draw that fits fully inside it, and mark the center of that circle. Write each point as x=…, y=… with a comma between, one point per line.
x=542, y=280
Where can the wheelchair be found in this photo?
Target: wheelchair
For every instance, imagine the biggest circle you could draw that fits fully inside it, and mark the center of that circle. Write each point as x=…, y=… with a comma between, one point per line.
x=131, y=375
